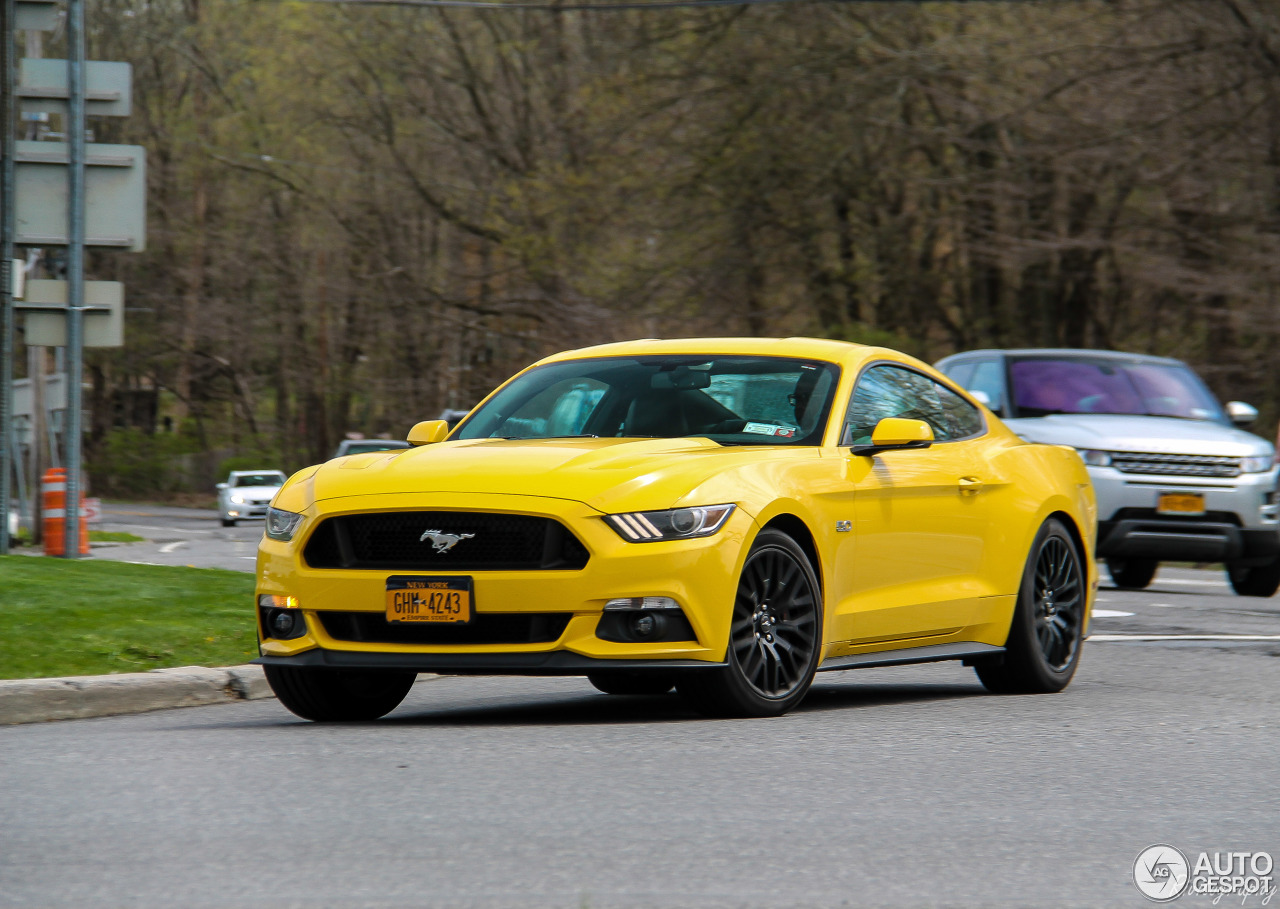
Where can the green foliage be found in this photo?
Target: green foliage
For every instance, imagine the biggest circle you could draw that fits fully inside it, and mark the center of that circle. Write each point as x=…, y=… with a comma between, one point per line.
x=130, y=462
x=84, y=617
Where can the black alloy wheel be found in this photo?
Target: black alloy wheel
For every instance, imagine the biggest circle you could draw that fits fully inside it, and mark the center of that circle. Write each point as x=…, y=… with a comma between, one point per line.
x=775, y=638
x=1132, y=574
x=1043, y=648
x=339, y=695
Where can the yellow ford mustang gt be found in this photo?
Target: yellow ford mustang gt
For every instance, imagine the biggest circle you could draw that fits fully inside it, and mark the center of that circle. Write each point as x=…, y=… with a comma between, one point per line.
x=725, y=517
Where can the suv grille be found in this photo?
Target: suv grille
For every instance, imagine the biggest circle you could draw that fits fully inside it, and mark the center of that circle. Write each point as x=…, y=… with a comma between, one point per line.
x=484, y=628
x=396, y=541
x=1175, y=465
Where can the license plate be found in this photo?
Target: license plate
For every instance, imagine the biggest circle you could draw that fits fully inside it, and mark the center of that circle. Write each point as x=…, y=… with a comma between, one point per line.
x=1180, y=503
x=426, y=599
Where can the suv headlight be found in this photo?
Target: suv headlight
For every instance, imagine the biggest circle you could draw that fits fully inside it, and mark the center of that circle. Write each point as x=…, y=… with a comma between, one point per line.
x=1095, y=458
x=675, y=524
x=1259, y=464
x=282, y=524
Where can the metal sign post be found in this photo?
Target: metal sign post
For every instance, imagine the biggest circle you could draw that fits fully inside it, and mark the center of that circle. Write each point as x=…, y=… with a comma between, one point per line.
x=75, y=272
x=8, y=15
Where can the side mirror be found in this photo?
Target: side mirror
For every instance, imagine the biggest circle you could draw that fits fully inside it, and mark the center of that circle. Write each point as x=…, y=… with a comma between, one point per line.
x=980, y=396
x=220, y=487
x=428, y=432
x=895, y=434
x=1241, y=414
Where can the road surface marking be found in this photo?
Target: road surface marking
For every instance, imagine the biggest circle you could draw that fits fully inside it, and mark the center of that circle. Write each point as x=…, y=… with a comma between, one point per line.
x=1184, y=637
x=1109, y=613
x=170, y=547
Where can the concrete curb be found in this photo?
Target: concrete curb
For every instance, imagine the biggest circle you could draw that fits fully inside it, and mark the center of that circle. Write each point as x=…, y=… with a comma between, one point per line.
x=38, y=700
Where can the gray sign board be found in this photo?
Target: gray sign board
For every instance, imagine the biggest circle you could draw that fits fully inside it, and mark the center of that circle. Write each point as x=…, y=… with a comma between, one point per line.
x=45, y=309
x=42, y=87
x=115, y=180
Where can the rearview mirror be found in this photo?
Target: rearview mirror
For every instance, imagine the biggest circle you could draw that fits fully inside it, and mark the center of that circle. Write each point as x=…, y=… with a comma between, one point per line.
x=428, y=432
x=1241, y=414
x=894, y=434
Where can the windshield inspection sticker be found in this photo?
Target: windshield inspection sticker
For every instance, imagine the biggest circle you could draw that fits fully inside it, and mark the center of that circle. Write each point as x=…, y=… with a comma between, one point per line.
x=768, y=429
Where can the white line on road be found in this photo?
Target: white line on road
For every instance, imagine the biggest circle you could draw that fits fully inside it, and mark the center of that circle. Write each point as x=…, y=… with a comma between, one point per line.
x=1184, y=637
x=1109, y=613
x=170, y=547
x=1192, y=582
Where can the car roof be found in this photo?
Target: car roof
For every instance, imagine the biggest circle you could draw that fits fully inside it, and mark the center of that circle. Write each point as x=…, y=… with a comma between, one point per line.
x=1065, y=353
x=810, y=348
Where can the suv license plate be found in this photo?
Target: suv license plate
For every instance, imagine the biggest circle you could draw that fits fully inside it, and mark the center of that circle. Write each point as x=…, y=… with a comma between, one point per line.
x=1180, y=503
x=426, y=599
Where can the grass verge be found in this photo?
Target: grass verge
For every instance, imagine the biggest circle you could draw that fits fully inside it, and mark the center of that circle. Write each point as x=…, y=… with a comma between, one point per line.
x=60, y=617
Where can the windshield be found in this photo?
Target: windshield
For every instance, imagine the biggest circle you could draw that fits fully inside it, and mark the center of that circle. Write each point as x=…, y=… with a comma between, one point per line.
x=259, y=479
x=1046, y=385
x=734, y=400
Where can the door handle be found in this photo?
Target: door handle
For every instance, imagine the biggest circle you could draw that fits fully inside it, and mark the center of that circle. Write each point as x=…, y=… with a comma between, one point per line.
x=970, y=485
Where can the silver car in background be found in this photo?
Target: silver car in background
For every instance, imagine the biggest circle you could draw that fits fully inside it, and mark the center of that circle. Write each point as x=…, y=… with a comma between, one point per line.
x=246, y=494
x=1175, y=477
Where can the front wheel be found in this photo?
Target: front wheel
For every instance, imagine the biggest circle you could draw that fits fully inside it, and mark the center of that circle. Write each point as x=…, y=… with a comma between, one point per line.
x=775, y=637
x=1255, y=580
x=339, y=695
x=1043, y=648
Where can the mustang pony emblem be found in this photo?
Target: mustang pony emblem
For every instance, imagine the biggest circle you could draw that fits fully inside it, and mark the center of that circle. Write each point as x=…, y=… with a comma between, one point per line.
x=443, y=542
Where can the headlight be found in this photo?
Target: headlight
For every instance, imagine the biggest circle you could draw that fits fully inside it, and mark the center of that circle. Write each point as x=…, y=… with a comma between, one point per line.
x=1095, y=458
x=676, y=524
x=237, y=498
x=1256, y=464
x=282, y=524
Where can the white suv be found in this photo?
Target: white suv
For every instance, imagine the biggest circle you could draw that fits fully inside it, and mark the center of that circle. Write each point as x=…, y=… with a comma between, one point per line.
x=1175, y=479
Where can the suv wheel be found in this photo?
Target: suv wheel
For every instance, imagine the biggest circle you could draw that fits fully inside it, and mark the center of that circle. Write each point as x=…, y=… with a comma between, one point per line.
x=1132, y=574
x=1255, y=580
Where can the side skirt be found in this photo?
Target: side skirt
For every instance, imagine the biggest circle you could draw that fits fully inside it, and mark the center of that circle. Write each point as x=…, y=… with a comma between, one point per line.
x=933, y=653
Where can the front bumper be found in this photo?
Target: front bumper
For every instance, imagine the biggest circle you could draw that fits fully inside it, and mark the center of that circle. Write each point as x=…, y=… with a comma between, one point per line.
x=699, y=574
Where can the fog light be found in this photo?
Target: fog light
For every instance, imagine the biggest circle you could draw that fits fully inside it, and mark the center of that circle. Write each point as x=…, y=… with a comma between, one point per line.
x=647, y=625
x=282, y=622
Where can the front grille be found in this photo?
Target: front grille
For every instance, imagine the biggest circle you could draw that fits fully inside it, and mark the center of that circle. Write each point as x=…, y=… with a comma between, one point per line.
x=484, y=542
x=484, y=628
x=1175, y=465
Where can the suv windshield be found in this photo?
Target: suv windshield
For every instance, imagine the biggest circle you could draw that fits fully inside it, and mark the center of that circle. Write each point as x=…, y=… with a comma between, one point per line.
x=1049, y=385
x=734, y=400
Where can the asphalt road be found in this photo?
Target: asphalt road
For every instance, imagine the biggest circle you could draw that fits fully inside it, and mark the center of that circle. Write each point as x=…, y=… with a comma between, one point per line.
x=178, y=536
x=889, y=787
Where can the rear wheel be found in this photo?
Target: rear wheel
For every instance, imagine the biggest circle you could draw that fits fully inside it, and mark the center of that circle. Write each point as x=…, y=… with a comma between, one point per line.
x=339, y=695
x=1043, y=648
x=1132, y=574
x=1255, y=580
x=622, y=681
x=775, y=636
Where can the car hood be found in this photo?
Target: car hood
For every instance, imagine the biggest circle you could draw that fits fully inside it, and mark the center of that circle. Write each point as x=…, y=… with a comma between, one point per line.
x=599, y=472
x=1164, y=435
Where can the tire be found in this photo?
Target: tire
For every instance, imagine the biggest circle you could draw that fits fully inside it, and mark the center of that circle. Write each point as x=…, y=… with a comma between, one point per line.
x=622, y=681
x=1255, y=580
x=1132, y=574
x=1043, y=648
x=775, y=636
x=339, y=695
x=228, y=522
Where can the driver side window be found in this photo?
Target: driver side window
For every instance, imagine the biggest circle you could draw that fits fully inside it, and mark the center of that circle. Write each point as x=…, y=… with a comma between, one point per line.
x=894, y=391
